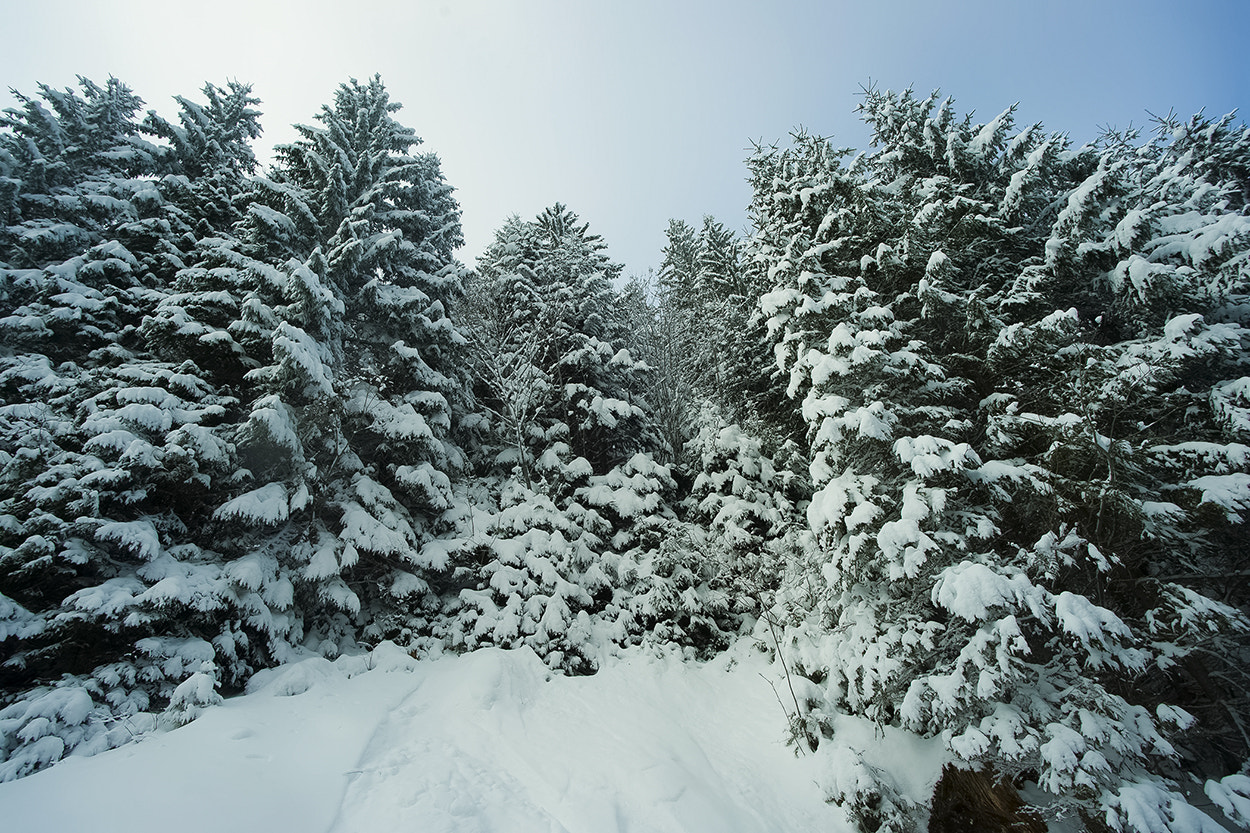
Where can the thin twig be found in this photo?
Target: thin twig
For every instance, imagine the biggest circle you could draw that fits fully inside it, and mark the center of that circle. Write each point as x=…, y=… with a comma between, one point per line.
x=798, y=712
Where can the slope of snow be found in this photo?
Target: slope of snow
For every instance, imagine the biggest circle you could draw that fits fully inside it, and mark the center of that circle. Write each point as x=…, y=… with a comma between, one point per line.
x=489, y=741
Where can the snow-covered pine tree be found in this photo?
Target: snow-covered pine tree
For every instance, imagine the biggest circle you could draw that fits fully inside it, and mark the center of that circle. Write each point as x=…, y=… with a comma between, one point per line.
x=108, y=452
x=403, y=385
x=73, y=165
x=1161, y=451
x=685, y=341
x=698, y=331
x=207, y=157
x=719, y=565
x=510, y=325
x=719, y=568
x=994, y=555
x=558, y=572
x=709, y=293
x=651, y=336
x=704, y=341
x=581, y=501
x=261, y=467
x=348, y=370
x=548, y=303
x=663, y=340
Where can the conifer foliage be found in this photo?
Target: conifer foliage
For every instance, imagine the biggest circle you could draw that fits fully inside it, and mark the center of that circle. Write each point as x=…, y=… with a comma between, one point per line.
x=706, y=341
x=1013, y=356
x=109, y=450
x=350, y=360
x=577, y=504
x=962, y=431
x=228, y=401
x=554, y=362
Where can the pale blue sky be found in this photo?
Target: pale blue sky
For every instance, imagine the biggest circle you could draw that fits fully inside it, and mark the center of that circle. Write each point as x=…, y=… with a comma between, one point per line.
x=635, y=112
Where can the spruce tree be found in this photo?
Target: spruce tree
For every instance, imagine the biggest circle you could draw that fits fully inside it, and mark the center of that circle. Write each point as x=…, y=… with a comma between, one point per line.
x=109, y=452
x=985, y=431
x=347, y=366
x=576, y=502
x=547, y=303
x=244, y=441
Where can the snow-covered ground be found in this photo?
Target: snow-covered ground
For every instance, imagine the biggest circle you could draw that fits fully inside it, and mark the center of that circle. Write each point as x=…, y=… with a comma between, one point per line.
x=488, y=741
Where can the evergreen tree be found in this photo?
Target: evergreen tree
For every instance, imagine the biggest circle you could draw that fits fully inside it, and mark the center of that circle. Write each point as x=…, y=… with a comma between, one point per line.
x=660, y=338
x=582, y=505
x=684, y=339
x=547, y=308
x=716, y=572
x=250, y=459
x=348, y=364
x=108, y=452
x=712, y=337
x=987, y=529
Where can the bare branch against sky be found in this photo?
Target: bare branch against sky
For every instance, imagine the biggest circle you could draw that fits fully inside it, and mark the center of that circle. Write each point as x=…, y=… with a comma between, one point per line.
x=635, y=112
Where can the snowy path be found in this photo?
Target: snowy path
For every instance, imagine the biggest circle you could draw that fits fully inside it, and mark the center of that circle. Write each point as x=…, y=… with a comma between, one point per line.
x=479, y=743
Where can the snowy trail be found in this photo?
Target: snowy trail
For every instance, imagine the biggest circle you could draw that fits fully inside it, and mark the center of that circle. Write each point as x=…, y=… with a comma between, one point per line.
x=480, y=743
x=490, y=745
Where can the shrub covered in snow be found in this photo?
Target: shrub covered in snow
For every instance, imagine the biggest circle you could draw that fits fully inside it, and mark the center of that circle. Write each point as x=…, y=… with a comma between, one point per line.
x=715, y=573
x=559, y=572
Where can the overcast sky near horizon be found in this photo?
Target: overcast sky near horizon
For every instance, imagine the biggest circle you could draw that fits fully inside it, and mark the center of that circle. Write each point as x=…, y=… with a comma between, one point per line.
x=634, y=112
